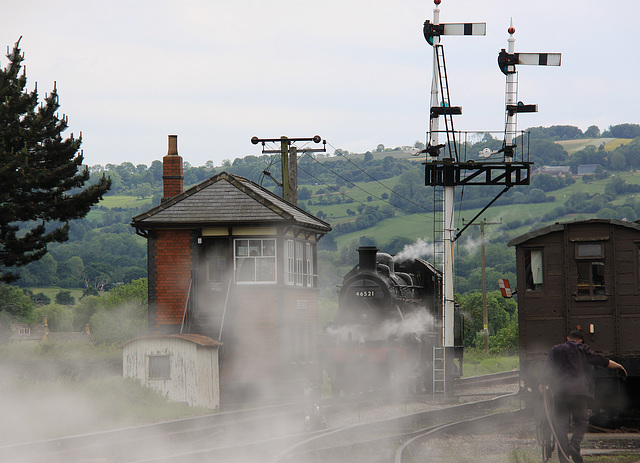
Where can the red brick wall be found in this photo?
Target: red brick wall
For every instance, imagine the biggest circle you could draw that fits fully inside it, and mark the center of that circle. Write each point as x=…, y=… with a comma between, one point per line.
x=172, y=177
x=171, y=261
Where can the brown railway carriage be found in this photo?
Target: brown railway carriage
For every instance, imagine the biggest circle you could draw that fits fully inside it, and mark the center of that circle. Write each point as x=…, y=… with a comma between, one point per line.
x=581, y=275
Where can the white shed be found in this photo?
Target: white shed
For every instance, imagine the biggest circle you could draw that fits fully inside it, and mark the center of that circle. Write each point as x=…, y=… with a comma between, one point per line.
x=182, y=367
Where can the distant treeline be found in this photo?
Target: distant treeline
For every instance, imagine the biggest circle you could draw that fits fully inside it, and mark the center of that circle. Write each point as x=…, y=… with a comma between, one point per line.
x=103, y=249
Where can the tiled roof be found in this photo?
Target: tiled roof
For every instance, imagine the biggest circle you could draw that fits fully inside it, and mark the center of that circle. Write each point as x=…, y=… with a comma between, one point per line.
x=36, y=331
x=226, y=199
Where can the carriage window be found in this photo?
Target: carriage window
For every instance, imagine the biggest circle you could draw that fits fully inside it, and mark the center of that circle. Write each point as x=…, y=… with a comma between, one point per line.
x=533, y=269
x=255, y=261
x=590, y=269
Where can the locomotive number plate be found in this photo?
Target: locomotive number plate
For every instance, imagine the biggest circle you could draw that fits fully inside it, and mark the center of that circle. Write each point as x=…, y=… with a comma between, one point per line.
x=365, y=293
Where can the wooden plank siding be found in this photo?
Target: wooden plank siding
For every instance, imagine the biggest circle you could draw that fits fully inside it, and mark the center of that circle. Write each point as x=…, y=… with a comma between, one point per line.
x=610, y=320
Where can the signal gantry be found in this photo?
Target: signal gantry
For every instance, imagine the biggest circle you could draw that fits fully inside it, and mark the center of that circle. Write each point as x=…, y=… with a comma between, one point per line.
x=444, y=168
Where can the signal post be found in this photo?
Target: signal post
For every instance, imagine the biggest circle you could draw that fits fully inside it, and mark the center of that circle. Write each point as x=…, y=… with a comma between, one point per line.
x=445, y=169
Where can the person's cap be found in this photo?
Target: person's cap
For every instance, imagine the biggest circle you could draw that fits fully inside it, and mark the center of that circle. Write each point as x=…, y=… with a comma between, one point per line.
x=577, y=335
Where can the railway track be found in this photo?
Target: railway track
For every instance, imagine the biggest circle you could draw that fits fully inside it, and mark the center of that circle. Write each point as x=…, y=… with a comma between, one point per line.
x=159, y=439
x=379, y=441
x=257, y=434
x=505, y=377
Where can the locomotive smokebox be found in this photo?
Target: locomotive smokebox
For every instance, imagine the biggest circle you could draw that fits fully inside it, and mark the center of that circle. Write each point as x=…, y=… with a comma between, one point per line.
x=367, y=259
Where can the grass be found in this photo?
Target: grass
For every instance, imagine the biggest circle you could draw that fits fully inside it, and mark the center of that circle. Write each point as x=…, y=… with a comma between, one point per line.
x=524, y=456
x=478, y=363
x=51, y=292
x=53, y=390
x=125, y=202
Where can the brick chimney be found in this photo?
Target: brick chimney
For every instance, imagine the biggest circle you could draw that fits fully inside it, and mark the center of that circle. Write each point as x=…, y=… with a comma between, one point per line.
x=172, y=177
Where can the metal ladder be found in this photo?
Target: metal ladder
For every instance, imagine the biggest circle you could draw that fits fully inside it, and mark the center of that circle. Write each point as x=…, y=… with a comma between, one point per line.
x=438, y=244
x=443, y=82
x=510, y=126
x=439, y=384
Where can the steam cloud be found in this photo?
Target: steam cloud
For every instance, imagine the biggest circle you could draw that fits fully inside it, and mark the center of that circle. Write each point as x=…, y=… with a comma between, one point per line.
x=419, y=249
x=415, y=322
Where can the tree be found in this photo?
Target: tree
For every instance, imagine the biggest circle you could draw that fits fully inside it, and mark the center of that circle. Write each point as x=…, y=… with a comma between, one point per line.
x=592, y=132
x=41, y=179
x=65, y=298
x=15, y=302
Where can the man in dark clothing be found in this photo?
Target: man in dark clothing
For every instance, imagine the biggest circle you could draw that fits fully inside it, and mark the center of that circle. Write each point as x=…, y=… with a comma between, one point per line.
x=567, y=372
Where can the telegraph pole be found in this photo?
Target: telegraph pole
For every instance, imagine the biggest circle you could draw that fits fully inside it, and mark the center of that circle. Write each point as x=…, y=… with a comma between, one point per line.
x=485, y=315
x=289, y=160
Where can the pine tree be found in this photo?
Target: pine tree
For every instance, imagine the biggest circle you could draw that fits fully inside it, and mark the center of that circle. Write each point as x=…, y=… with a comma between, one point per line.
x=41, y=175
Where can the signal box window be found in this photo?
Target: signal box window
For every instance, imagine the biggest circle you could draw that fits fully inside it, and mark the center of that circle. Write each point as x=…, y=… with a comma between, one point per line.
x=255, y=261
x=533, y=269
x=590, y=269
x=299, y=263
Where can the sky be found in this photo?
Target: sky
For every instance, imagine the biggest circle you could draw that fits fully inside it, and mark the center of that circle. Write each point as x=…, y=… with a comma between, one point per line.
x=357, y=73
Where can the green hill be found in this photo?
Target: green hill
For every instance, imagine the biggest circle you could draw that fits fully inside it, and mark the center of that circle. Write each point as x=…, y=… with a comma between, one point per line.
x=379, y=195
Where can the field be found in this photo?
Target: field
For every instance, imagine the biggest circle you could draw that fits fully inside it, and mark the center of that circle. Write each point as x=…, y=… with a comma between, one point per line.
x=51, y=292
x=125, y=202
x=478, y=363
x=573, y=146
x=414, y=226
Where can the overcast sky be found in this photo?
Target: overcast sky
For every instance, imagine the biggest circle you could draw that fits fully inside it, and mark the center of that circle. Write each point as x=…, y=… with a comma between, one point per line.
x=358, y=73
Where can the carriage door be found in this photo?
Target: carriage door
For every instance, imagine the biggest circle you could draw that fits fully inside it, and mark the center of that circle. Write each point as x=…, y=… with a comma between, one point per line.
x=213, y=285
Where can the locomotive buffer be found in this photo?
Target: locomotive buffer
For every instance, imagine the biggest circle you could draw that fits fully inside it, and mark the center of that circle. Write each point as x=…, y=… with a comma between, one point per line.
x=444, y=169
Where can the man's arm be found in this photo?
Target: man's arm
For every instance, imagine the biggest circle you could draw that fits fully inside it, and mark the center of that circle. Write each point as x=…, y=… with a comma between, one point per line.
x=616, y=365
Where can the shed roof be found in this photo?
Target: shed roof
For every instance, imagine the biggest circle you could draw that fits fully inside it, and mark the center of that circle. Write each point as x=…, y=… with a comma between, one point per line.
x=194, y=338
x=226, y=199
x=559, y=226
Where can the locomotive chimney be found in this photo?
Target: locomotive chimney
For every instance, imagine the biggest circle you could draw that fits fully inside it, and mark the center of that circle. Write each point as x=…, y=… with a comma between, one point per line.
x=367, y=258
x=172, y=178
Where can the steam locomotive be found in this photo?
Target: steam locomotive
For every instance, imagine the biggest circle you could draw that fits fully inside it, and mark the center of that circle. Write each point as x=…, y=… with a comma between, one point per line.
x=388, y=322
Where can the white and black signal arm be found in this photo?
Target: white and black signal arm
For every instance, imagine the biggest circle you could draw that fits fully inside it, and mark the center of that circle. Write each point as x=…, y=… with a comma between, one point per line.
x=431, y=30
x=507, y=61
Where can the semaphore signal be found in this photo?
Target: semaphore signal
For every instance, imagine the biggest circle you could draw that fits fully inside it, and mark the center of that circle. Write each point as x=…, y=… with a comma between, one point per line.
x=440, y=167
x=507, y=61
x=445, y=169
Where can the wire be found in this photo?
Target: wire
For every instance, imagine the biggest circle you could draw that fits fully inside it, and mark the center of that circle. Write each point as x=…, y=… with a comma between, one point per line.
x=355, y=200
x=379, y=182
x=262, y=174
x=365, y=191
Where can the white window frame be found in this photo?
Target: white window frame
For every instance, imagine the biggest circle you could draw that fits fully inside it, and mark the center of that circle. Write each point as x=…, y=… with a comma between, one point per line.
x=260, y=252
x=299, y=263
x=309, y=262
x=290, y=262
